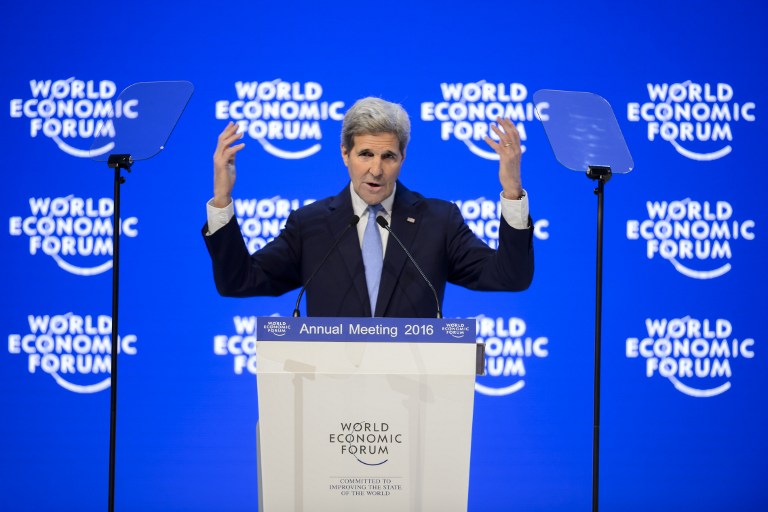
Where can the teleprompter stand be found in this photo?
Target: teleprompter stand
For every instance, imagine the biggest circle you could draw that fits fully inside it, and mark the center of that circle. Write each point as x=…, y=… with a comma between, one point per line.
x=585, y=136
x=148, y=113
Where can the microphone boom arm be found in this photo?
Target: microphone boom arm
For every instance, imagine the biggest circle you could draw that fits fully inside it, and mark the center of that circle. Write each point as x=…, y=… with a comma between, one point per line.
x=381, y=221
x=352, y=222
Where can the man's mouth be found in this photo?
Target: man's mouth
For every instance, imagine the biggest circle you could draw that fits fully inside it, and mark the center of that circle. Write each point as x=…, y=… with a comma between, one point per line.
x=373, y=185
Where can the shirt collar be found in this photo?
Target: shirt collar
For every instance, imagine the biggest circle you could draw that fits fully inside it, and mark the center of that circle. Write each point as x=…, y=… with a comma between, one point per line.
x=359, y=206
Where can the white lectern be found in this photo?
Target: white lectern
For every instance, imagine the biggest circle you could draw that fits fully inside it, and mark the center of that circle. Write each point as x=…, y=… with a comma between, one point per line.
x=365, y=414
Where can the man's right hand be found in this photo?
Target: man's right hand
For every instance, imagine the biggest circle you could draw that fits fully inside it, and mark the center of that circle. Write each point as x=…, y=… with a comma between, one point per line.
x=224, y=173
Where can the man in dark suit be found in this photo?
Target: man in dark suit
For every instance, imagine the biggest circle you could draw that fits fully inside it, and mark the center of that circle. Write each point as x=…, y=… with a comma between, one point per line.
x=368, y=274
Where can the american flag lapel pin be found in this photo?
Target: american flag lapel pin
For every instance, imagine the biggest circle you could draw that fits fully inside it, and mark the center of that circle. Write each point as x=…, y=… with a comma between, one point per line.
x=411, y=220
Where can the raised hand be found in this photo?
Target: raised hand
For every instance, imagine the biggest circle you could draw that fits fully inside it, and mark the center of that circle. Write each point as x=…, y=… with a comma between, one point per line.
x=509, y=151
x=224, y=173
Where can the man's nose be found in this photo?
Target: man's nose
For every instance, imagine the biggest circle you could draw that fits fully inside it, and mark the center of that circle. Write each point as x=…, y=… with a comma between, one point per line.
x=376, y=167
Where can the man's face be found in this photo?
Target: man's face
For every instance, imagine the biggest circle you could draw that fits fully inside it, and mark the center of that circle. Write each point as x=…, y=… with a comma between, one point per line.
x=374, y=163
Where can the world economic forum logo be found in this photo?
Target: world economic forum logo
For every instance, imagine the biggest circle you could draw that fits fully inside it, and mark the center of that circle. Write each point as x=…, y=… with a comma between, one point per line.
x=695, y=355
x=483, y=216
x=696, y=119
x=75, y=231
x=371, y=443
x=284, y=117
x=262, y=219
x=71, y=112
x=241, y=345
x=508, y=349
x=277, y=327
x=466, y=111
x=697, y=238
x=456, y=330
x=75, y=350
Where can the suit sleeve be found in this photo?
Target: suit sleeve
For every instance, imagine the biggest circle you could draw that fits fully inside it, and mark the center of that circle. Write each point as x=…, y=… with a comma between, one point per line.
x=272, y=270
x=476, y=266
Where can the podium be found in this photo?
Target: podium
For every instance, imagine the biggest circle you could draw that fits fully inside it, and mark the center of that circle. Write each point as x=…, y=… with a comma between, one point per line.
x=369, y=414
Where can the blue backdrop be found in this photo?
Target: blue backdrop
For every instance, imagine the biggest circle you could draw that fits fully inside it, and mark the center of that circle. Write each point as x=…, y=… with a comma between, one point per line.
x=684, y=420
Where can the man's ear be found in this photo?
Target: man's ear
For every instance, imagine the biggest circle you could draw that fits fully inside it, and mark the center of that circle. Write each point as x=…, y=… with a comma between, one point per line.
x=345, y=155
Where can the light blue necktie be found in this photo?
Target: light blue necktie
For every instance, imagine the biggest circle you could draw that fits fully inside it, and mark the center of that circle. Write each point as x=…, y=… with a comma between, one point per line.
x=373, y=256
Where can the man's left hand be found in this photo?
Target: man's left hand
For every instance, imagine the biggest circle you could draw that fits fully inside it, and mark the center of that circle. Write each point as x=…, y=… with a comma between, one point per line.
x=509, y=151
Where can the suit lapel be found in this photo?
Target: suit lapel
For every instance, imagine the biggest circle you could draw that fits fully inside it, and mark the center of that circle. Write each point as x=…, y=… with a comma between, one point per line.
x=349, y=247
x=405, y=224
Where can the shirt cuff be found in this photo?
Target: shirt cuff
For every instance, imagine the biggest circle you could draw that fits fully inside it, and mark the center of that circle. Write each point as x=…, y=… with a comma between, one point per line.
x=515, y=211
x=218, y=217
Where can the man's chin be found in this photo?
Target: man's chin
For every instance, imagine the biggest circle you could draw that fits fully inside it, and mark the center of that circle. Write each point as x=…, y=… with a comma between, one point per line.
x=373, y=195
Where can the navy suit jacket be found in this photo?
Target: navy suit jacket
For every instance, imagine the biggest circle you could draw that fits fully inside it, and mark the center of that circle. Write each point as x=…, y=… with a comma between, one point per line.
x=433, y=230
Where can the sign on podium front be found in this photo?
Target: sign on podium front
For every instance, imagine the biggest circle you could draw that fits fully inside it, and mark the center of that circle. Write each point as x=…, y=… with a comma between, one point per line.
x=370, y=414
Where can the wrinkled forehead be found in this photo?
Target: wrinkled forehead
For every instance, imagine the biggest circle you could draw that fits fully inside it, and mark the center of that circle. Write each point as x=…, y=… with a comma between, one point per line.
x=380, y=141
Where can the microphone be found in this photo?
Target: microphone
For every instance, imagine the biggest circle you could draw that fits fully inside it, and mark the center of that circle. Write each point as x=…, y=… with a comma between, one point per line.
x=381, y=221
x=352, y=222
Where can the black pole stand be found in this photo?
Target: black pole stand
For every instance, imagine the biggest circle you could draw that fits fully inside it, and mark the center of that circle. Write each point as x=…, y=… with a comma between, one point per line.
x=116, y=162
x=601, y=174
